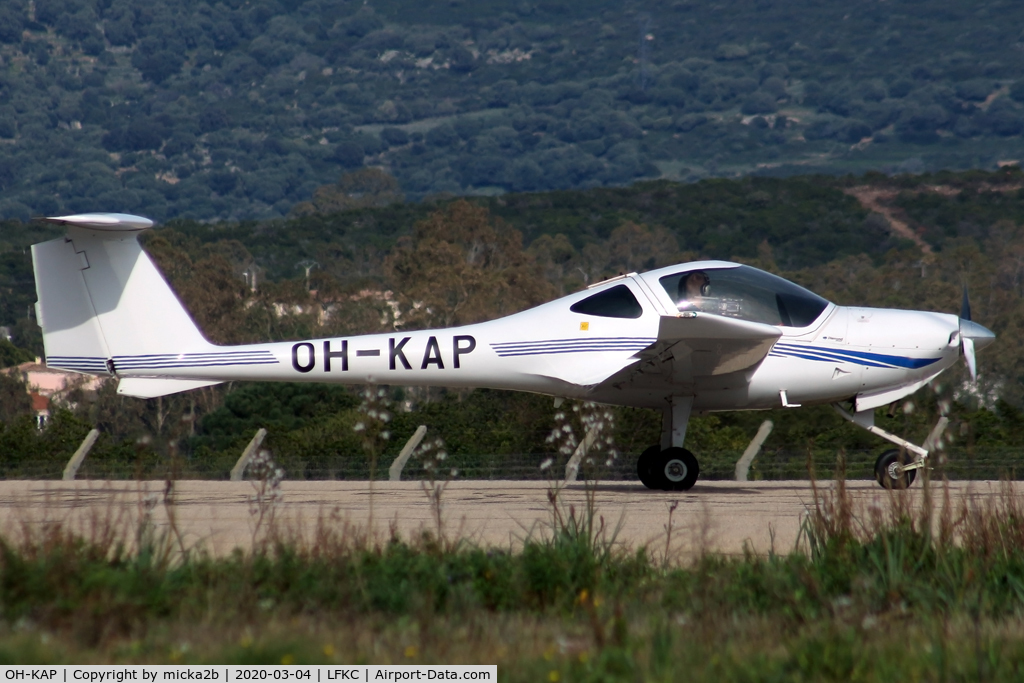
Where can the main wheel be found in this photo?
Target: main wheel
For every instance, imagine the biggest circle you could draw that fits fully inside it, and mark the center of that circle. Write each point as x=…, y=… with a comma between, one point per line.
x=889, y=472
x=677, y=469
x=645, y=467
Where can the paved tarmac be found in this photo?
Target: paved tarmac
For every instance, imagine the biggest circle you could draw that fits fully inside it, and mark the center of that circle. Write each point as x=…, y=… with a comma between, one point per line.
x=219, y=516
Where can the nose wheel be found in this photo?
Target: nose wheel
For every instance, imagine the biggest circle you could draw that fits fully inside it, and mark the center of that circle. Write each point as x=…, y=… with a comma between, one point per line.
x=670, y=469
x=891, y=471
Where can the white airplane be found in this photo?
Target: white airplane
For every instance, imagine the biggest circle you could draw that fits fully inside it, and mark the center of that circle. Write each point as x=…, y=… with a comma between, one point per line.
x=702, y=336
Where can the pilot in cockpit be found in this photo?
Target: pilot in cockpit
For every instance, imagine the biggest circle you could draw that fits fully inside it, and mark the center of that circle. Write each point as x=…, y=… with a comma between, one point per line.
x=692, y=290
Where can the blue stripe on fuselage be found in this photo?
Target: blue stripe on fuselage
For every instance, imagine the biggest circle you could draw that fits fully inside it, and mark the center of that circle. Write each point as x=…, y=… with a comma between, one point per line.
x=832, y=354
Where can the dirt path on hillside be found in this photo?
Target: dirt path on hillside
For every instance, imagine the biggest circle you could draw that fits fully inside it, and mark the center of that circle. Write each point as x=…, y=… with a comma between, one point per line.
x=878, y=200
x=871, y=198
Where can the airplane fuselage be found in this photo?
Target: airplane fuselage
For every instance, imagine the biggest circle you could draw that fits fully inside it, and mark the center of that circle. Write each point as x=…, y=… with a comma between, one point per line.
x=551, y=350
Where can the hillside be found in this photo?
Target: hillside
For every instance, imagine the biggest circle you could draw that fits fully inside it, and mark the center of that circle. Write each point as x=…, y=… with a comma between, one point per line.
x=239, y=110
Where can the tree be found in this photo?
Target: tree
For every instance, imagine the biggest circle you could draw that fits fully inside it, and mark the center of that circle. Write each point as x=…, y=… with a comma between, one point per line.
x=524, y=175
x=120, y=31
x=14, y=398
x=442, y=136
x=461, y=267
x=760, y=103
x=157, y=66
x=394, y=136
x=11, y=25
x=143, y=134
x=279, y=407
x=209, y=287
x=349, y=154
x=156, y=59
x=11, y=355
x=365, y=188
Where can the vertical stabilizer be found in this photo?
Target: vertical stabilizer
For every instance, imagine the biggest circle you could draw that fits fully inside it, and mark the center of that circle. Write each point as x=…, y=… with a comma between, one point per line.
x=102, y=301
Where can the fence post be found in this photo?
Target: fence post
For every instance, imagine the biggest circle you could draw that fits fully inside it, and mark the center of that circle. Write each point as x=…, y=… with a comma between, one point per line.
x=743, y=464
x=572, y=468
x=239, y=469
x=395, y=471
x=936, y=434
x=71, y=469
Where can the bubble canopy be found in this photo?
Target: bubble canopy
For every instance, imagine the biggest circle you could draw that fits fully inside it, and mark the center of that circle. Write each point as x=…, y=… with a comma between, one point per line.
x=745, y=293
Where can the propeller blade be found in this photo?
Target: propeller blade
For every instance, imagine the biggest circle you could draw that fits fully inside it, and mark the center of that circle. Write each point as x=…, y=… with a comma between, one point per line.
x=965, y=306
x=972, y=364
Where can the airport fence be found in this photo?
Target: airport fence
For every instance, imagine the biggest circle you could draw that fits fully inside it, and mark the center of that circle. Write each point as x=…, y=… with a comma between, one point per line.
x=770, y=465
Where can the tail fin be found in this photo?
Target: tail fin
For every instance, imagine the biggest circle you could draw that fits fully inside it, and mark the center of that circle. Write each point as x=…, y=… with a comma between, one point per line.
x=101, y=301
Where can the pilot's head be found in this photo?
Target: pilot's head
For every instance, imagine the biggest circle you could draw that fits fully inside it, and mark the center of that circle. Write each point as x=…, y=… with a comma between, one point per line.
x=695, y=285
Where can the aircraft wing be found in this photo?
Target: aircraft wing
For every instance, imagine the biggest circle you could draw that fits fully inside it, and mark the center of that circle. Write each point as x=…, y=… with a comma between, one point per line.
x=692, y=352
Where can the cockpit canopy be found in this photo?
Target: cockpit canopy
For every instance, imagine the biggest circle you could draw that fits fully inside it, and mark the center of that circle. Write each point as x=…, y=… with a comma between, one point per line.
x=745, y=293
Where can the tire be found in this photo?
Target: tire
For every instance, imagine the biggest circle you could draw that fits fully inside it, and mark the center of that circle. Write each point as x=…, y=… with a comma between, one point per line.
x=677, y=469
x=885, y=474
x=645, y=467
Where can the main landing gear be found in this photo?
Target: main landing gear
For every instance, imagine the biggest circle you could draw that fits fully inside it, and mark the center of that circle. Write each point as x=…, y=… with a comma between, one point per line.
x=671, y=469
x=669, y=466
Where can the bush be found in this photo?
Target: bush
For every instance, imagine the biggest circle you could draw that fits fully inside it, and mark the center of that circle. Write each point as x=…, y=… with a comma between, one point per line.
x=349, y=154
x=524, y=175
x=1005, y=123
x=441, y=136
x=280, y=407
x=759, y=103
x=11, y=25
x=223, y=182
x=360, y=24
x=920, y=124
x=976, y=90
x=901, y=88
x=142, y=134
x=120, y=32
x=155, y=61
x=394, y=137
x=11, y=355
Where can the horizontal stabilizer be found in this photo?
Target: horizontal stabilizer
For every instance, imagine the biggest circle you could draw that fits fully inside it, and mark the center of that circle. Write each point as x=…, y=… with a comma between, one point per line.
x=104, y=222
x=140, y=387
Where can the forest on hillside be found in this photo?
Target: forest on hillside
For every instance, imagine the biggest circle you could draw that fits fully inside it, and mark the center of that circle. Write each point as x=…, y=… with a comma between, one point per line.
x=239, y=110
x=408, y=266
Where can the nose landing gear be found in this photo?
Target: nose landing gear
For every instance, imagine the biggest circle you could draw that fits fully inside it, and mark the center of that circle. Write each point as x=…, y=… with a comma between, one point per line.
x=894, y=469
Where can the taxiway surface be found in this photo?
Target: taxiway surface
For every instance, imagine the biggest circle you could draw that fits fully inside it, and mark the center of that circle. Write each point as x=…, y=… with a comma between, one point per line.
x=717, y=516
